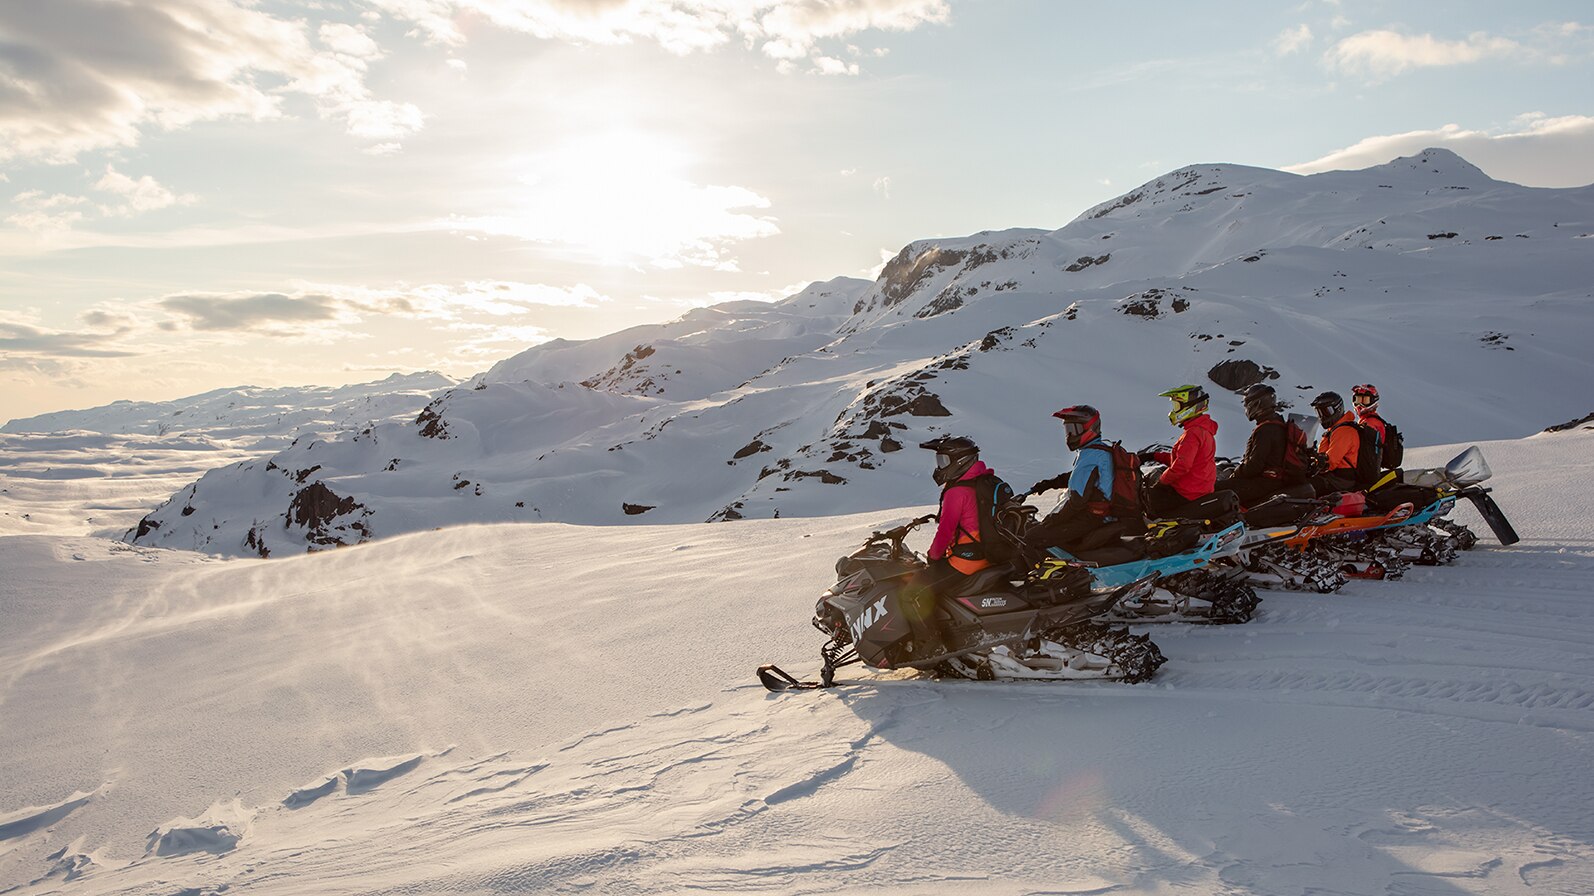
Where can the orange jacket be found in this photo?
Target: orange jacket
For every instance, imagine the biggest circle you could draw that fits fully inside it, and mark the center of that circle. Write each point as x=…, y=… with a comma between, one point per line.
x=1340, y=444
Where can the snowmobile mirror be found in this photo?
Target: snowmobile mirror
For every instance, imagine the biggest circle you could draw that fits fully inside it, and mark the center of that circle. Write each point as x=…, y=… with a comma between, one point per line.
x=1468, y=468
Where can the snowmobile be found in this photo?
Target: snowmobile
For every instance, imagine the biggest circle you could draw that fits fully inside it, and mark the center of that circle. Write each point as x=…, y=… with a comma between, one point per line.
x=1189, y=588
x=1266, y=557
x=999, y=624
x=1428, y=537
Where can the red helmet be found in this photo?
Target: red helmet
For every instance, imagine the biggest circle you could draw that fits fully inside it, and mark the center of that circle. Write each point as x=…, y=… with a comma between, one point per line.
x=1364, y=398
x=1081, y=425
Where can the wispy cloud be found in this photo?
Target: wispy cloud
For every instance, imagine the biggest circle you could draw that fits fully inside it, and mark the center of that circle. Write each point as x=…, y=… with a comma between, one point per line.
x=1292, y=40
x=1384, y=53
x=138, y=195
x=81, y=75
x=784, y=30
x=1536, y=149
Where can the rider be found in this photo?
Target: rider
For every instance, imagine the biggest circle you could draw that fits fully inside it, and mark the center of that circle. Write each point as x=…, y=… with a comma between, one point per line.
x=1091, y=499
x=955, y=551
x=1267, y=467
x=1191, y=467
x=1364, y=399
x=1339, y=446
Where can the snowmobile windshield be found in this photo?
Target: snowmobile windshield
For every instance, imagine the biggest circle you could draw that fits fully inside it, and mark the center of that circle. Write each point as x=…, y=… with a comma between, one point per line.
x=1468, y=468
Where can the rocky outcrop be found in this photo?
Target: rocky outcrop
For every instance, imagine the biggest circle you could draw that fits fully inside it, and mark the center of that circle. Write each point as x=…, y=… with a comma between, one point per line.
x=1238, y=374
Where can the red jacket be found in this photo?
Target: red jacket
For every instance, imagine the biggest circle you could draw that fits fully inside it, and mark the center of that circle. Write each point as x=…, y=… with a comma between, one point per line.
x=959, y=512
x=1192, y=465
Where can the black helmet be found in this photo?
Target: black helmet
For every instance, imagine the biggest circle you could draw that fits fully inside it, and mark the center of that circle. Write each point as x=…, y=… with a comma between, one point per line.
x=953, y=457
x=1260, y=400
x=1330, y=407
x=1081, y=425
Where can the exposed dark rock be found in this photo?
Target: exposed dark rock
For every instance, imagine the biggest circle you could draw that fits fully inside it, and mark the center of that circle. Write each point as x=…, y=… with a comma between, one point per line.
x=302, y=475
x=431, y=420
x=146, y=526
x=750, y=449
x=256, y=542
x=1238, y=374
x=927, y=405
x=1570, y=424
x=905, y=273
x=636, y=509
x=315, y=507
x=1085, y=261
x=824, y=476
x=1447, y=235
x=888, y=445
x=1496, y=340
x=1180, y=303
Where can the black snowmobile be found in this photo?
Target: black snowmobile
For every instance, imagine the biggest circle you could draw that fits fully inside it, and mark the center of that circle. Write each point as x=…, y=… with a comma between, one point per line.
x=1000, y=624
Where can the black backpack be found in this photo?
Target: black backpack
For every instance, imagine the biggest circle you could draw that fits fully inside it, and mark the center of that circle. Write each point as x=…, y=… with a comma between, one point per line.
x=1369, y=453
x=991, y=494
x=1124, y=502
x=1394, y=447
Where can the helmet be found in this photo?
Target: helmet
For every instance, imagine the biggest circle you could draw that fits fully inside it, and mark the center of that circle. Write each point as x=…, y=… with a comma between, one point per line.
x=953, y=457
x=1188, y=402
x=1081, y=425
x=1330, y=407
x=1260, y=400
x=1364, y=398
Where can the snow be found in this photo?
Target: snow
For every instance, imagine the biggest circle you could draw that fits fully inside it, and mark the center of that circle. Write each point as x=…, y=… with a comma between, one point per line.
x=487, y=692
x=553, y=708
x=1464, y=298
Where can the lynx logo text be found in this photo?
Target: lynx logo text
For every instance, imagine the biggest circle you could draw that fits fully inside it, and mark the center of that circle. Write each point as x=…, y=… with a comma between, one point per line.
x=867, y=619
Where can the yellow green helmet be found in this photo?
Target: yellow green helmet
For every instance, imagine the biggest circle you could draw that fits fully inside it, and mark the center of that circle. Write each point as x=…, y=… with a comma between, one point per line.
x=1188, y=401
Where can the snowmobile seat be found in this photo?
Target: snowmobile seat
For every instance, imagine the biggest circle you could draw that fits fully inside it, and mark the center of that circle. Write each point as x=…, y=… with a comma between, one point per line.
x=1281, y=510
x=991, y=578
x=1215, y=512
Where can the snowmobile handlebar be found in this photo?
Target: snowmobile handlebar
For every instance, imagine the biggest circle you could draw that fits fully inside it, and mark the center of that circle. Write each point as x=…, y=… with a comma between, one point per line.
x=896, y=536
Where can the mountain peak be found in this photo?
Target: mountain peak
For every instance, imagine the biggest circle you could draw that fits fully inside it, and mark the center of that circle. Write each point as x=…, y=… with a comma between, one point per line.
x=1434, y=161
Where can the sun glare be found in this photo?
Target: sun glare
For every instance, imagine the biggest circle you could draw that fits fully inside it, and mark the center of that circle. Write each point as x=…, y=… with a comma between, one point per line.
x=624, y=197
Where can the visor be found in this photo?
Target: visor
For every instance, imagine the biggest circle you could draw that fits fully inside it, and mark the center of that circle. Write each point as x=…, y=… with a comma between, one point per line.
x=1363, y=400
x=942, y=461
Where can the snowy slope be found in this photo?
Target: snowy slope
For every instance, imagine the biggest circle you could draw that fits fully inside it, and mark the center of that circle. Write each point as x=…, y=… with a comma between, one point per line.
x=552, y=708
x=1466, y=299
x=272, y=417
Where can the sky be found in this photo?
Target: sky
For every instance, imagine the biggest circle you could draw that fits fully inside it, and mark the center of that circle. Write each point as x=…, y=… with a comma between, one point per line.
x=197, y=194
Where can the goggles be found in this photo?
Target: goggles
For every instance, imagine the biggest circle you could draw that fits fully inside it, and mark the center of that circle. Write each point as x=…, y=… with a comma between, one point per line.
x=942, y=461
x=1362, y=399
x=1074, y=429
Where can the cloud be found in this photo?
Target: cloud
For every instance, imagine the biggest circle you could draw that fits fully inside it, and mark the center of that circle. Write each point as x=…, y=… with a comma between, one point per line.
x=18, y=338
x=141, y=195
x=1382, y=54
x=1292, y=40
x=82, y=75
x=273, y=314
x=785, y=30
x=882, y=185
x=1536, y=149
x=43, y=213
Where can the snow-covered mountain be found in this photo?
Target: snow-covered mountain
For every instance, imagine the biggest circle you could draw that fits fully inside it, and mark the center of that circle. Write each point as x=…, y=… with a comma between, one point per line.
x=270, y=417
x=1466, y=299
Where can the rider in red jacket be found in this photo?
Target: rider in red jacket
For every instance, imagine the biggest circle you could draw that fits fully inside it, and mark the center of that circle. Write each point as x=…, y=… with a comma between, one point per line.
x=1192, y=467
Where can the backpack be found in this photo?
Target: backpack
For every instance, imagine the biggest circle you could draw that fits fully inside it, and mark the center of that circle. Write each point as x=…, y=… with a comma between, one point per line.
x=1124, y=502
x=1394, y=447
x=1299, y=456
x=991, y=494
x=1369, y=453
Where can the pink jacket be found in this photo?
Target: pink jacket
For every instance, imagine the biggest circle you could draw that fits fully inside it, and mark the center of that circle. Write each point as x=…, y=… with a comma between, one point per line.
x=958, y=510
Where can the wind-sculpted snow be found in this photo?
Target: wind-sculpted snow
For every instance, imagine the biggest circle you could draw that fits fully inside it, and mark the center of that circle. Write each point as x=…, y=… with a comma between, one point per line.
x=552, y=708
x=1465, y=299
